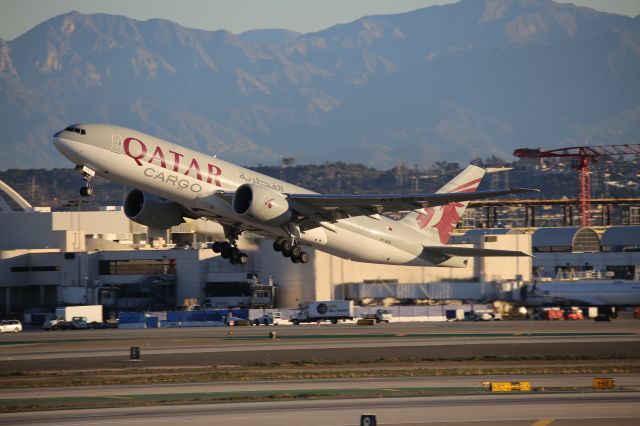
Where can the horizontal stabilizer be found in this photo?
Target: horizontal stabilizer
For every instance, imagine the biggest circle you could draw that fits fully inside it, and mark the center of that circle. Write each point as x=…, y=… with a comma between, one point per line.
x=474, y=252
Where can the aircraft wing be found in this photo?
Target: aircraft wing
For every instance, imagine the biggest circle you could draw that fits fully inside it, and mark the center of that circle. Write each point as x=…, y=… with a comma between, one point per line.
x=473, y=252
x=393, y=203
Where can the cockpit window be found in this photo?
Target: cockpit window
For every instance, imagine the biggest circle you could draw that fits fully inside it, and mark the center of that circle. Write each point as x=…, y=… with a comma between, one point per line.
x=76, y=130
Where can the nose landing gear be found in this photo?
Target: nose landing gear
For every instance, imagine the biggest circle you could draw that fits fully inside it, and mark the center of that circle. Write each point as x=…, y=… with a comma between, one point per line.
x=87, y=175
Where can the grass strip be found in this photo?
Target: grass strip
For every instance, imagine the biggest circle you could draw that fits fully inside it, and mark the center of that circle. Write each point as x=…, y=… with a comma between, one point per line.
x=135, y=377
x=59, y=403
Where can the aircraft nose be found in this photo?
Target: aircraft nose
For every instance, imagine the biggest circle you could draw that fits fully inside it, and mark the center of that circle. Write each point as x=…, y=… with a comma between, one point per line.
x=56, y=139
x=67, y=145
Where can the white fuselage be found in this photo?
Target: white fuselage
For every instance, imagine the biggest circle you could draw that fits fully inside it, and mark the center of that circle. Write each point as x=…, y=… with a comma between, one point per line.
x=192, y=179
x=596, y=293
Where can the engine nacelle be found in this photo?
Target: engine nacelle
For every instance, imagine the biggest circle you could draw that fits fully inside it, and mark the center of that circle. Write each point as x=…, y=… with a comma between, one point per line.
x=261, y=204
x=151, y=211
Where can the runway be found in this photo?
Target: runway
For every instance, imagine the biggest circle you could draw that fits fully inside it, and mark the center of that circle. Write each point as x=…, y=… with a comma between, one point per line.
x=328, y=343
x=246, y=345
x=544, y=409
x=49, y=359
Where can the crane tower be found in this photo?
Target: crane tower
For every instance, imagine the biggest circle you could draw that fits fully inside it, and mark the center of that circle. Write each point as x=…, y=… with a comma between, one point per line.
x=585, y=155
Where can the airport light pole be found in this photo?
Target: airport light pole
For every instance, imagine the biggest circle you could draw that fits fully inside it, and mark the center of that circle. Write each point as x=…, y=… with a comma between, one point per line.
x=71, y=204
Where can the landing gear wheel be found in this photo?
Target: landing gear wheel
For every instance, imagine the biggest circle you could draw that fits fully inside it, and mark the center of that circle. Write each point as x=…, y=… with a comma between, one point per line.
x=225, y=250
x=286, y=247
x=304, y=257
x=239, y=259
x=86, y=191
x=295, y=251
x=216, y=247
x=295, y=259
x=277, y=245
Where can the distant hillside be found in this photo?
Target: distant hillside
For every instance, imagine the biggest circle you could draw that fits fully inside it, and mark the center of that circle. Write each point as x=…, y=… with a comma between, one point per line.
x=476, y=78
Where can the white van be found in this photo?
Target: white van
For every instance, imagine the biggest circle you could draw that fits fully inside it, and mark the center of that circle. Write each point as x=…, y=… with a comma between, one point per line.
x=10, y=326
x=272, y=318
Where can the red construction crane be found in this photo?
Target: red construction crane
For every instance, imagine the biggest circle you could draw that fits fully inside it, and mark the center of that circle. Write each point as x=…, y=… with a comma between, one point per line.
x=585, y=155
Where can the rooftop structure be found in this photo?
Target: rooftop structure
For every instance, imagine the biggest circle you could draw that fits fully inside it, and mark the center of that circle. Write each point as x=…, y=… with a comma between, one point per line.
x=572, y=239
x=11, y=201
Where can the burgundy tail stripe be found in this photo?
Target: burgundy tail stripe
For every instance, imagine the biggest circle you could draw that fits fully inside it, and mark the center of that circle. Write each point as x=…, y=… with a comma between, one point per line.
x=473, y=182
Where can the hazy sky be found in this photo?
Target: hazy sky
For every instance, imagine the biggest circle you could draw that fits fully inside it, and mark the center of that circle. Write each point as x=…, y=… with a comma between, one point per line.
x=19, y=16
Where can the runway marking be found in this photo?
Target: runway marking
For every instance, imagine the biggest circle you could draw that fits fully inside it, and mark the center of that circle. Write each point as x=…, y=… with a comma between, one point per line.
x=544, y=422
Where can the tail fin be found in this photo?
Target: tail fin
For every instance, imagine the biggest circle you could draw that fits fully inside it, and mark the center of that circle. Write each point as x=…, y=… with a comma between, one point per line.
x=439, y=222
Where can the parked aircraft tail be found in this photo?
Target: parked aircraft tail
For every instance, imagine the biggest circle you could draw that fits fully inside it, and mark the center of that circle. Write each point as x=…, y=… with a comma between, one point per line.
x=439, y=222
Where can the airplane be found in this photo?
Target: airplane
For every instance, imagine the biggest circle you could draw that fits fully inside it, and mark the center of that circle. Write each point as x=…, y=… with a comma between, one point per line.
x=587, y=292
x=173, y=183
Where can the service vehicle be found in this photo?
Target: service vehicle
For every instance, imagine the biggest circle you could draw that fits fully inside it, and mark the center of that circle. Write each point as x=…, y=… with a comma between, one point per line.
x=482, y=315
x=271, y=318
x=10, y=326
x=333, y=311
x=76, y=318
x=381, y=315
x=76, y=323
x=574, y=313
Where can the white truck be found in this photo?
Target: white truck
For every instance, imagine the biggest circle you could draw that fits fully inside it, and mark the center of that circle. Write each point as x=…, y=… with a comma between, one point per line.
x=272, y=318
x=76, y=317
x=333, y=310
x=381, y=315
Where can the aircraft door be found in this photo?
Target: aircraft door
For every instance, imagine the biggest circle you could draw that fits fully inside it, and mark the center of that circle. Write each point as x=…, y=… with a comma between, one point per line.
x=116, y=143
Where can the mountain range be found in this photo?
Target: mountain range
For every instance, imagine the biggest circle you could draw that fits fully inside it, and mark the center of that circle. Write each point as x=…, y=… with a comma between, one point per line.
x=455, y=82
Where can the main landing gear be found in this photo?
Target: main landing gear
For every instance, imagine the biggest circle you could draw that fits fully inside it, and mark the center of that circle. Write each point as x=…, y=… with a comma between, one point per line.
x=87, y=175
x=291, y=250
x=229, y=250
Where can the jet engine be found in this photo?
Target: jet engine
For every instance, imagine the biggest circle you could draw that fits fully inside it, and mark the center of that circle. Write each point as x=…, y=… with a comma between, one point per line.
x=152, y=211
x=261, y=204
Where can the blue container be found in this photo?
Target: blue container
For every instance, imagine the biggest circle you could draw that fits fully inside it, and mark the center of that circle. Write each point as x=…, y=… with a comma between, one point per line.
x=177, y=316
x=213, y=316
x=130, y=317
x=153, y=322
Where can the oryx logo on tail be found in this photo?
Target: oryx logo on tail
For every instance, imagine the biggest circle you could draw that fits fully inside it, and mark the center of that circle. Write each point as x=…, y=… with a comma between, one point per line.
x=444, y=219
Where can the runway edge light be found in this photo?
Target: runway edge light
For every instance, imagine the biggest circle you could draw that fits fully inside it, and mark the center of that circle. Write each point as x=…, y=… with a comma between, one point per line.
x=134, y=353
